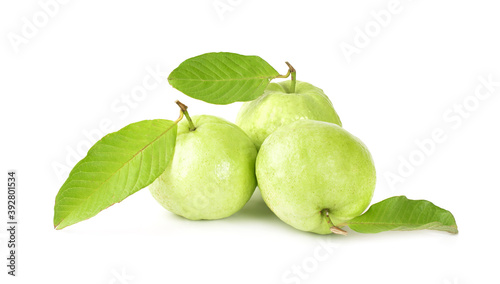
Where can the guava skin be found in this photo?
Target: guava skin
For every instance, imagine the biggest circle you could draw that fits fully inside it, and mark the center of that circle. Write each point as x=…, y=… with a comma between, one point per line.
x=308, y=166
x=278, y=107
x=212, y=173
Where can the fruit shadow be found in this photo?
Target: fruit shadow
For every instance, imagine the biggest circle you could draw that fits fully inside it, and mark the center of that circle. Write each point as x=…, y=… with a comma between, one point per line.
x=257, y=210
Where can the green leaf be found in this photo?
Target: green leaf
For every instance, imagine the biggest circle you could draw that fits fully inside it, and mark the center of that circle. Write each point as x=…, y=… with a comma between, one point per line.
x=118, y=165
x=223, y=78
x=399, y=213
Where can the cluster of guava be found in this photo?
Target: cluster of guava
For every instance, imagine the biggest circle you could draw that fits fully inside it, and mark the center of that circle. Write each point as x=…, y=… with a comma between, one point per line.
x=312, y=173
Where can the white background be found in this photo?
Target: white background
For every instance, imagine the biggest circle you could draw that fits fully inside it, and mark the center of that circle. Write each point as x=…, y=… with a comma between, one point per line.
x=409, y=79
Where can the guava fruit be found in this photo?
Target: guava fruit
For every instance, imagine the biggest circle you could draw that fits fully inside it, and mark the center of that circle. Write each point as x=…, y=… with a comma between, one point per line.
x=212, y=173
x=279, y=106
x=315, y=175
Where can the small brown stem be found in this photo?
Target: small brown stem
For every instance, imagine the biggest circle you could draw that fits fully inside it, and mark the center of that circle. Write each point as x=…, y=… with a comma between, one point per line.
x=334, y=229
x=182, y=106
x=290, y=70
x=294, y=77
x=338, y=231
x=184, y=112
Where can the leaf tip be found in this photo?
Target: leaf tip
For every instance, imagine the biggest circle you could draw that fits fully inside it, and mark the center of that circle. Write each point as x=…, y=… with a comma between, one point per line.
x=57, y=225
x=454, y=230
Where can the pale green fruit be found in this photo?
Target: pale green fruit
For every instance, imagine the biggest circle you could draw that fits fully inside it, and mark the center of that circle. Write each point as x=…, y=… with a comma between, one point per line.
x=212, y=173
x=309, y=167
x=278, y=107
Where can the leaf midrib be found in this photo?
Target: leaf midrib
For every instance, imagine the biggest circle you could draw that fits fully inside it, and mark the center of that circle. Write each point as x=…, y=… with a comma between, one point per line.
x=223, y=80
x=400, y=224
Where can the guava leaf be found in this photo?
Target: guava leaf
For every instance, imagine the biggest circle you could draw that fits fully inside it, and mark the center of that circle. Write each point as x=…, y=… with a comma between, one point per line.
x=399, y=213
x=223, y=77
x=118, y=165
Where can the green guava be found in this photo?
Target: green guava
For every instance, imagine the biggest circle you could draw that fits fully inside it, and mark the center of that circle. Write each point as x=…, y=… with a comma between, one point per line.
x=315, y=175
x=278, y=107
x=212, y=173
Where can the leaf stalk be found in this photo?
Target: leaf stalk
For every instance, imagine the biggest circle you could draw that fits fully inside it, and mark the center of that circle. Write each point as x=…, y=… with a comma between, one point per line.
x=184, y=112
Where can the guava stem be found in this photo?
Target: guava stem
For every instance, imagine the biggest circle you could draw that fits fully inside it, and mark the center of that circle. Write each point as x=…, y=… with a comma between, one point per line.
x=294, y=77
x=338, y=231
x=186, y=114
x=334, y=229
